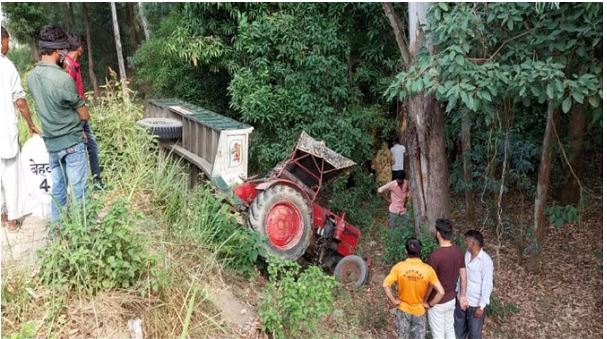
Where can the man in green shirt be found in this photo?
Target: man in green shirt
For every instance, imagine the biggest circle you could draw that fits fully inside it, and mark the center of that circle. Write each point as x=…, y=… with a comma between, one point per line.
x=62, y=112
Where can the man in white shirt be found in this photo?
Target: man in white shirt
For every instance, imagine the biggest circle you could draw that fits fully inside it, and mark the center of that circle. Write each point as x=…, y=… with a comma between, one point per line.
x=470, y=314
x=11, y=95
x=398, y=159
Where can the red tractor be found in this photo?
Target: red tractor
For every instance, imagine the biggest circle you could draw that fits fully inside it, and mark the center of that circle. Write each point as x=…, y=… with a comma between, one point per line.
x=282, y=208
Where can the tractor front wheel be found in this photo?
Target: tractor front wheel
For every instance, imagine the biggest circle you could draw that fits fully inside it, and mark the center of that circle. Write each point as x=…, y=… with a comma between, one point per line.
x=281, y=215
x=352, y=271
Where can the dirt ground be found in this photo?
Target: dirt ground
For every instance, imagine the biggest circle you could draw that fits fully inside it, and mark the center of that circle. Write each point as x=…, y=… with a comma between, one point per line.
x=19, y=248
x=562, y=300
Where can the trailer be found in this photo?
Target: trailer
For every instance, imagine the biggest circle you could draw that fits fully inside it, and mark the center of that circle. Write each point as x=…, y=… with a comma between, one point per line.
x=213, y=143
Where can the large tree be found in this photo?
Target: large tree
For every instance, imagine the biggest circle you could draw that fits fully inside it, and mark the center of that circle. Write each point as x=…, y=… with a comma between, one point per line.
x=512, y=66
x=425, y=125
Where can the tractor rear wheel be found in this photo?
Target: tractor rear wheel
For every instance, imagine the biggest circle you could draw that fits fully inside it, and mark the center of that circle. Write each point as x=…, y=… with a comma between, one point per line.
x=281, y=215
x=351, y=271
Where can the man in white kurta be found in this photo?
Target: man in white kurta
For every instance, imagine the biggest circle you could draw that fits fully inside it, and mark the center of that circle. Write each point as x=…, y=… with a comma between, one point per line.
x=11, y=95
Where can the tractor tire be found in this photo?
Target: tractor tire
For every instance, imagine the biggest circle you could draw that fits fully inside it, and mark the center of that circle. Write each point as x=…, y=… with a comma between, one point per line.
x=282, y=216
x=351, y=271
x=164, y=128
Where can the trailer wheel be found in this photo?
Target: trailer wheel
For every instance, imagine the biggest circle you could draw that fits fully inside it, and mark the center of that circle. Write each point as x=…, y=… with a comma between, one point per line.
x=281, y=215
x=352, y=271
x=164, y=128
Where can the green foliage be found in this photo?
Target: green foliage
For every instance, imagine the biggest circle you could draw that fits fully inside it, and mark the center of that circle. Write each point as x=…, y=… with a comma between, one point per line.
x=255, y=58
x=22, y=58
x=429, y=243
x=359, y=201
x=206, y=219
x=127, y=153
x=599, y=257
x=24, y=19
x=500, y=310
x=27, y=331
x=561, y=215
x=393, y=241
x=95, y=251
x=393, y=244
x=292, y=82
x=295, y=299
x=475, y=67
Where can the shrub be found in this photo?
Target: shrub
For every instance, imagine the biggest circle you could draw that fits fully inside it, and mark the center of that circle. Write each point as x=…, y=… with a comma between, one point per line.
x=394, y=244
x=499, y=310
x=357, y=201
x=561, y=215
x=94, y=251
x=127, y=154
x=295, y=299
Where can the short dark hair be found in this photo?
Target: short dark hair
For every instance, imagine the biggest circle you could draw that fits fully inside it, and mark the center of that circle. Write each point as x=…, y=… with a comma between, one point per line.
x=413, y=247
x=4, y=33
x=75, y=41
x=476, y=235
x=400, y=175
x=51, y=33
x=445, y=228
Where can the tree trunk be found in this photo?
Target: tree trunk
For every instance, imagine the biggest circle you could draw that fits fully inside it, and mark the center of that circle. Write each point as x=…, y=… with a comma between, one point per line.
x=425, y=129
x=121, y=67
x=144, y=21
x=543, y=183
x=34, y=49
x=469, y=189
x=428, y=158
x=397, y=27
x=570, y=193
x=89, y=49
x=70, y=17
x=133, y=26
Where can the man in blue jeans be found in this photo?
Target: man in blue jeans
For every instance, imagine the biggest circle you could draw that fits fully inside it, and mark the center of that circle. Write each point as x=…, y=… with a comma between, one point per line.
x=61, y=112
x=469, y=314
x=72, y=67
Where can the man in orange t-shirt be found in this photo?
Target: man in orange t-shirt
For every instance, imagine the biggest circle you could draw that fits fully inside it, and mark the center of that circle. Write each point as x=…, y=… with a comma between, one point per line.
x=413, y=278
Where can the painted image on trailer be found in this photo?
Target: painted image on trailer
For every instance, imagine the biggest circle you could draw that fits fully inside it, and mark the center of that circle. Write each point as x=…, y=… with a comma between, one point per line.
x=235, y=152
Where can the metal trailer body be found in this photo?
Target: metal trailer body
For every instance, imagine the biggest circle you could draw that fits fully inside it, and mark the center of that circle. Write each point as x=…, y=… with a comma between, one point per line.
x=216, y=144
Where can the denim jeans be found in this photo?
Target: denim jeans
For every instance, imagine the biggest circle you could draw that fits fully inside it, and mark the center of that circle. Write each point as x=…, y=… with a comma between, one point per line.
x=398, y=220
x=68, y=169
x=466, y=325
x=93, y=150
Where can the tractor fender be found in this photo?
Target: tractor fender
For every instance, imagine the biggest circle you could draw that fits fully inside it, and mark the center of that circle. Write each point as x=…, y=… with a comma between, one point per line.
x=270, y=183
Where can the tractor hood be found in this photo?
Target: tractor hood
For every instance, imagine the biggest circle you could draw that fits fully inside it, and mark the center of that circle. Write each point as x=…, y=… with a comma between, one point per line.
x=312, y=163
x=318, y=149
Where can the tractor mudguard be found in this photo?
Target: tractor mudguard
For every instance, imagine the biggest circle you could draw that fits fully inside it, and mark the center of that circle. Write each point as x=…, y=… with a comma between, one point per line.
x=267, y=184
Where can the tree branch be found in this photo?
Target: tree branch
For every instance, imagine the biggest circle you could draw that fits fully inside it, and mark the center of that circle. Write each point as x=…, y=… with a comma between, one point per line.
x=483, y=60
x=401, y=40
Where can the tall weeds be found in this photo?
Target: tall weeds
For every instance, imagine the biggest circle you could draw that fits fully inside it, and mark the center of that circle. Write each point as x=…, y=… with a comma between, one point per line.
x=191, y=233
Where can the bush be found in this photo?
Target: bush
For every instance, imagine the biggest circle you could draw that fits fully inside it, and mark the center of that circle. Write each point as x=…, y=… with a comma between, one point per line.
x=357, y=201
x=94, y=251
x=295, y=300
x=394, y=244
x=561, y=215
x=127, y=154
x=499, y=310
